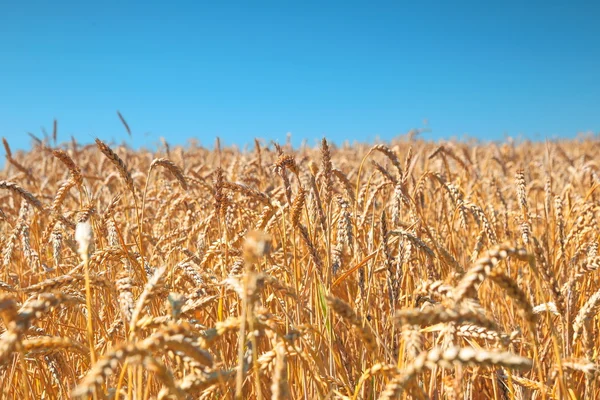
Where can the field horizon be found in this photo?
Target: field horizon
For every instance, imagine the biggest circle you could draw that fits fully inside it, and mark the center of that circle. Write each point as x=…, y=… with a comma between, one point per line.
x=137, y=142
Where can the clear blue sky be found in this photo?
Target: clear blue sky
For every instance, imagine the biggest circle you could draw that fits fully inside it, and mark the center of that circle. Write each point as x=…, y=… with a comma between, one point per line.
x=341, y=69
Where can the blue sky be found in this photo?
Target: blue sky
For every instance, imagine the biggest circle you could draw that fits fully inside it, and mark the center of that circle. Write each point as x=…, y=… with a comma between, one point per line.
x=344, y=70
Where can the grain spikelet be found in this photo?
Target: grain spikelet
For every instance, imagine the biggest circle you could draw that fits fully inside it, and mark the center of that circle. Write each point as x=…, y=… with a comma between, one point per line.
x=59, y=282
x=298, y=207
x=118, y=163
x=32, y=309
x=48, y=344
x=585, y=314
x=70, y=164
x=347, y=313
x=512, y=290
x=248, y=191
x=447, y=359
x=18, y=190
x=389, y=153
x=327, y=169
x=484, y=266
x=279, y=386
x=172, y=168
x=149, y=291
x=441, y=314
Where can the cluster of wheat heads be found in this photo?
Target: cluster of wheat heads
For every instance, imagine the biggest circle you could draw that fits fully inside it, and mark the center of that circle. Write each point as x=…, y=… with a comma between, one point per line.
x=406, y=270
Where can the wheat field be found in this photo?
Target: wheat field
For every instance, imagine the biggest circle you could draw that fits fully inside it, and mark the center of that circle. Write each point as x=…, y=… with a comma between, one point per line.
x=409, y=269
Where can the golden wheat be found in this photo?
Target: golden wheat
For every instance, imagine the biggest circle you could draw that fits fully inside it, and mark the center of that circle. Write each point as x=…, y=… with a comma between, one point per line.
x=354, y=272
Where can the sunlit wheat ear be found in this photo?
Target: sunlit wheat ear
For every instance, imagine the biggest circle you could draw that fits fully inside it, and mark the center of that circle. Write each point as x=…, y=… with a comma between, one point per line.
x=388, y=263
x=347, y=185
x=172, y=168
x=70, y=164
x=548, y=275
x=389, y=153
x=56, y=240
x=487, y=227
x=483, y=267
x=14, y=162
x=61, y=194
x=7, y=148
x=584, y=267
x=478, y=332
x=194, y=383
x=106, y=367
x=445, y=254
x=20, y=321
x=110, y=209
x=327, y=168
x=560, y=221
x=126, y=302
x=49, y=344
x=317, y=204
x=384, y=172
x=449, y=358
x=440, y=314
x=209, y=336
x=429, y=290
x=312, y=249
x=18, y=190
x=150, y=290
x=344, y=235
x=414, y=341
x=279, y=386
x=10, y=243
x=512, y=290
x=344, y=310
x=60, y=282
x=118, y=163
x=298, y=206
x=521, y=192
x=286, y=162
x=249, y=192
x=585, y=314
x=415, y=241
x=180, y=338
